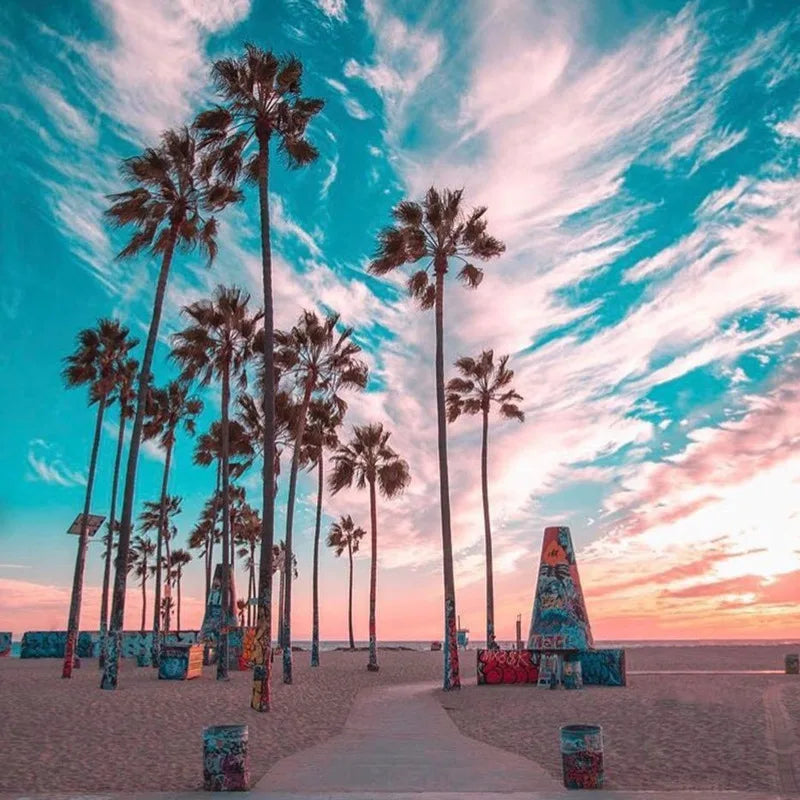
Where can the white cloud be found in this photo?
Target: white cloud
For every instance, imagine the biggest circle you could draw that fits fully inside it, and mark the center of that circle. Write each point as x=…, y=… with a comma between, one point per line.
x=333, y=168
x=335, y=9
x=351, y=105
x=47, y=465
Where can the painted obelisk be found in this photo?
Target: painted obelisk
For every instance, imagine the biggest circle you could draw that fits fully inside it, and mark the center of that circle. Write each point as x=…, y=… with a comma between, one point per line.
x=559, y=620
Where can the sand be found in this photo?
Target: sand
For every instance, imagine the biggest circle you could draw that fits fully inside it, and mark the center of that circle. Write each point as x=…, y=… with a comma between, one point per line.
x=660, y=732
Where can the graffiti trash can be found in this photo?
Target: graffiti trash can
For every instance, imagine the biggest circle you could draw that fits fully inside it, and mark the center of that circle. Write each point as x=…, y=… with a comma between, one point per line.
x=572, y=675
x=793, y=664
x=225, y=766
x=582, y=756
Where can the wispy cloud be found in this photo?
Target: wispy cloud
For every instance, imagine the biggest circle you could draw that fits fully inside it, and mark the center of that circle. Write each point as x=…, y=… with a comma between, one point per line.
x=335, y=9
x=46, y=464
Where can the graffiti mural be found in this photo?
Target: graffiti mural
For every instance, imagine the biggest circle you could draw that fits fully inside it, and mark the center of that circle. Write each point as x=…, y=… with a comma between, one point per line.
x=247, y=655
x=559, y=609
x=262, y=660
x=508, y=666
x=214, y=621
x=5, y=644
x=51, y=644
x=452, y=678
x=582, y=756
x=572, y=676
x=603, y=667
x=225, y=763
x=180, y=662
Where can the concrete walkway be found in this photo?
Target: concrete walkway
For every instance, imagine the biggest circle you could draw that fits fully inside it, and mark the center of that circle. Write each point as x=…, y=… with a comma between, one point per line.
x=399, y=739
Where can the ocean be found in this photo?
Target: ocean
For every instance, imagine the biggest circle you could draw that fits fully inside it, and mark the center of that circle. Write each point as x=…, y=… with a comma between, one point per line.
x=426, y=645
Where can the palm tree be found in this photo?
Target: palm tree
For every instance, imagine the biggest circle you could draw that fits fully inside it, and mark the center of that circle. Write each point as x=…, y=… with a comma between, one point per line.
x=177, y=561
x=167, y=409
x=219, y=343
x=435, y=231
x=315, y=360
x=125, y=377
x=167, y=206
x=279, y=556
x=345, y=536
x=143, y=550
x=96, y=362
x=205, y=534
x=248, y=536
x=262, y=104
x=323, y=421
x=482, y=384
x=368, y=460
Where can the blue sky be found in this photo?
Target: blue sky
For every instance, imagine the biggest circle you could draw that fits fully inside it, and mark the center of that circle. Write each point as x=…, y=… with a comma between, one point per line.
x=641, y=164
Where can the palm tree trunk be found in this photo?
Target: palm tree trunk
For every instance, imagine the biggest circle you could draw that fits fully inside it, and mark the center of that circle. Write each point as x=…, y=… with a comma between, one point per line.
x=144, y=601
x=452, y=678
x=350, y=595
x=487, y=528
x=315, y=579
x=260, y=696
x=222, y=658
x=168, y=556
x=213, y=533
x=111, y=670
x=373, y=579
x=80, y=561
x=289, y=559
x=281, y=605
x=155, y=649
x=112, y=516
x=178, y=587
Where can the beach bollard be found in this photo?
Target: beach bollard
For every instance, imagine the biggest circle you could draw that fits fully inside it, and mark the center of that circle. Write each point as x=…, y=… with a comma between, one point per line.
x=573, y=674
x=225, y=766
x=582, y=756
x=793, y=664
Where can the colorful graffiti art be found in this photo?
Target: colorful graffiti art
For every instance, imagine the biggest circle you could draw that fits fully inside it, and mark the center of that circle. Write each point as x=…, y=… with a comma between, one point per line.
x=5, y=644
x=559, y=609
x=180, y=662
x=452, y=677
x=247, y=655
x=51, y=644
x=262, y=661
x=225, y=763
x=603, y=668
x=214, y=621
x=507, y=666
x=582, y=756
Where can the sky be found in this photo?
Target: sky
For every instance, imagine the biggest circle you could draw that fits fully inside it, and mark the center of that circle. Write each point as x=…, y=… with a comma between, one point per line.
x=641, y=163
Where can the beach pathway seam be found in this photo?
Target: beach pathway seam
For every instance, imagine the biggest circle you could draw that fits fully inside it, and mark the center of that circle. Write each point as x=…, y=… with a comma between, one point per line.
x=782, y=740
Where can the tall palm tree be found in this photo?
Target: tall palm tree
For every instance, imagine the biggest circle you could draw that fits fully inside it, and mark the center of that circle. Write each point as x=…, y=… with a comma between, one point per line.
x=261, y=103
x=279, y=556
x=343, y=536
x=205, y=534
x=323, y=422
x=168, y=206
x=369, y=461
x=167, y=410
x=177, y=561
x=219, y=343
x=316, y=360
x=96, y=362
x=248, y=536
x=124, y=387
x=143, y=550
x=481, y=385
x=435, y=231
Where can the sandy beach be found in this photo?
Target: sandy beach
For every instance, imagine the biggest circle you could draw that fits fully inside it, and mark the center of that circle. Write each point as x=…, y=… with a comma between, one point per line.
x=660, y=732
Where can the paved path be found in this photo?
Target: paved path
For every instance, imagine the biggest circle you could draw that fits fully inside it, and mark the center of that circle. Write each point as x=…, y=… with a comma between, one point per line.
x=400, y=739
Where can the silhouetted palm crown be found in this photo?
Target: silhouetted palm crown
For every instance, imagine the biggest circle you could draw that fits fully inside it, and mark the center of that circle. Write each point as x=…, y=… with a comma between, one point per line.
x=151, y=513
x=344, y=534
x=262, y=97
x=172, y=197
x=482, y=384
x=168, y=409
x=321, y=431
x=240, y=444
x=368, y=459
x=434, y=231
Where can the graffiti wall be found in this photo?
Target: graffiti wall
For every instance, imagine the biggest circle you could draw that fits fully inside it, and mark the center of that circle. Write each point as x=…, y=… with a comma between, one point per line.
x=603, y=668
x=559, y=609
x=5, y=644
x=51, y=644
x=508, y=666
x=213, y=621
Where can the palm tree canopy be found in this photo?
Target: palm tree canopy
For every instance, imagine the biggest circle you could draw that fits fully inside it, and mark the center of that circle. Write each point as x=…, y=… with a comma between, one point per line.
x=344, y=535
x=125, y=386
x=250, y=414
x=179, y=558
x=368, y=459
x=142, y=550
x=434, y=231
x=151, y=513
x=208, y=449
x=482, y=383
x=172, y=195
x=279, y=558
x=169, y=408
x=261, y=96
x=100, y=359
x=206, y=527
x=315, y=354
x=321, y=431
x=221, y=337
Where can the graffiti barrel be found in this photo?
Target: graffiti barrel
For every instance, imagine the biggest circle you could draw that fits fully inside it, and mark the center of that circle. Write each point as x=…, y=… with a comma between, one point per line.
x=582, y=756
x=225, y=767
x=793, y=664
x=572, y=676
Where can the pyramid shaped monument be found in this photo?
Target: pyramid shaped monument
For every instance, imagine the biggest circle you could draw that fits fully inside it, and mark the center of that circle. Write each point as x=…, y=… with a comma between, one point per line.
x=559, y=620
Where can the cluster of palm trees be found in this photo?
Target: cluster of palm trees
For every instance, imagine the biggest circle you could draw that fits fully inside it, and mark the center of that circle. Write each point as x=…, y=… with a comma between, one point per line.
x=174, y=190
